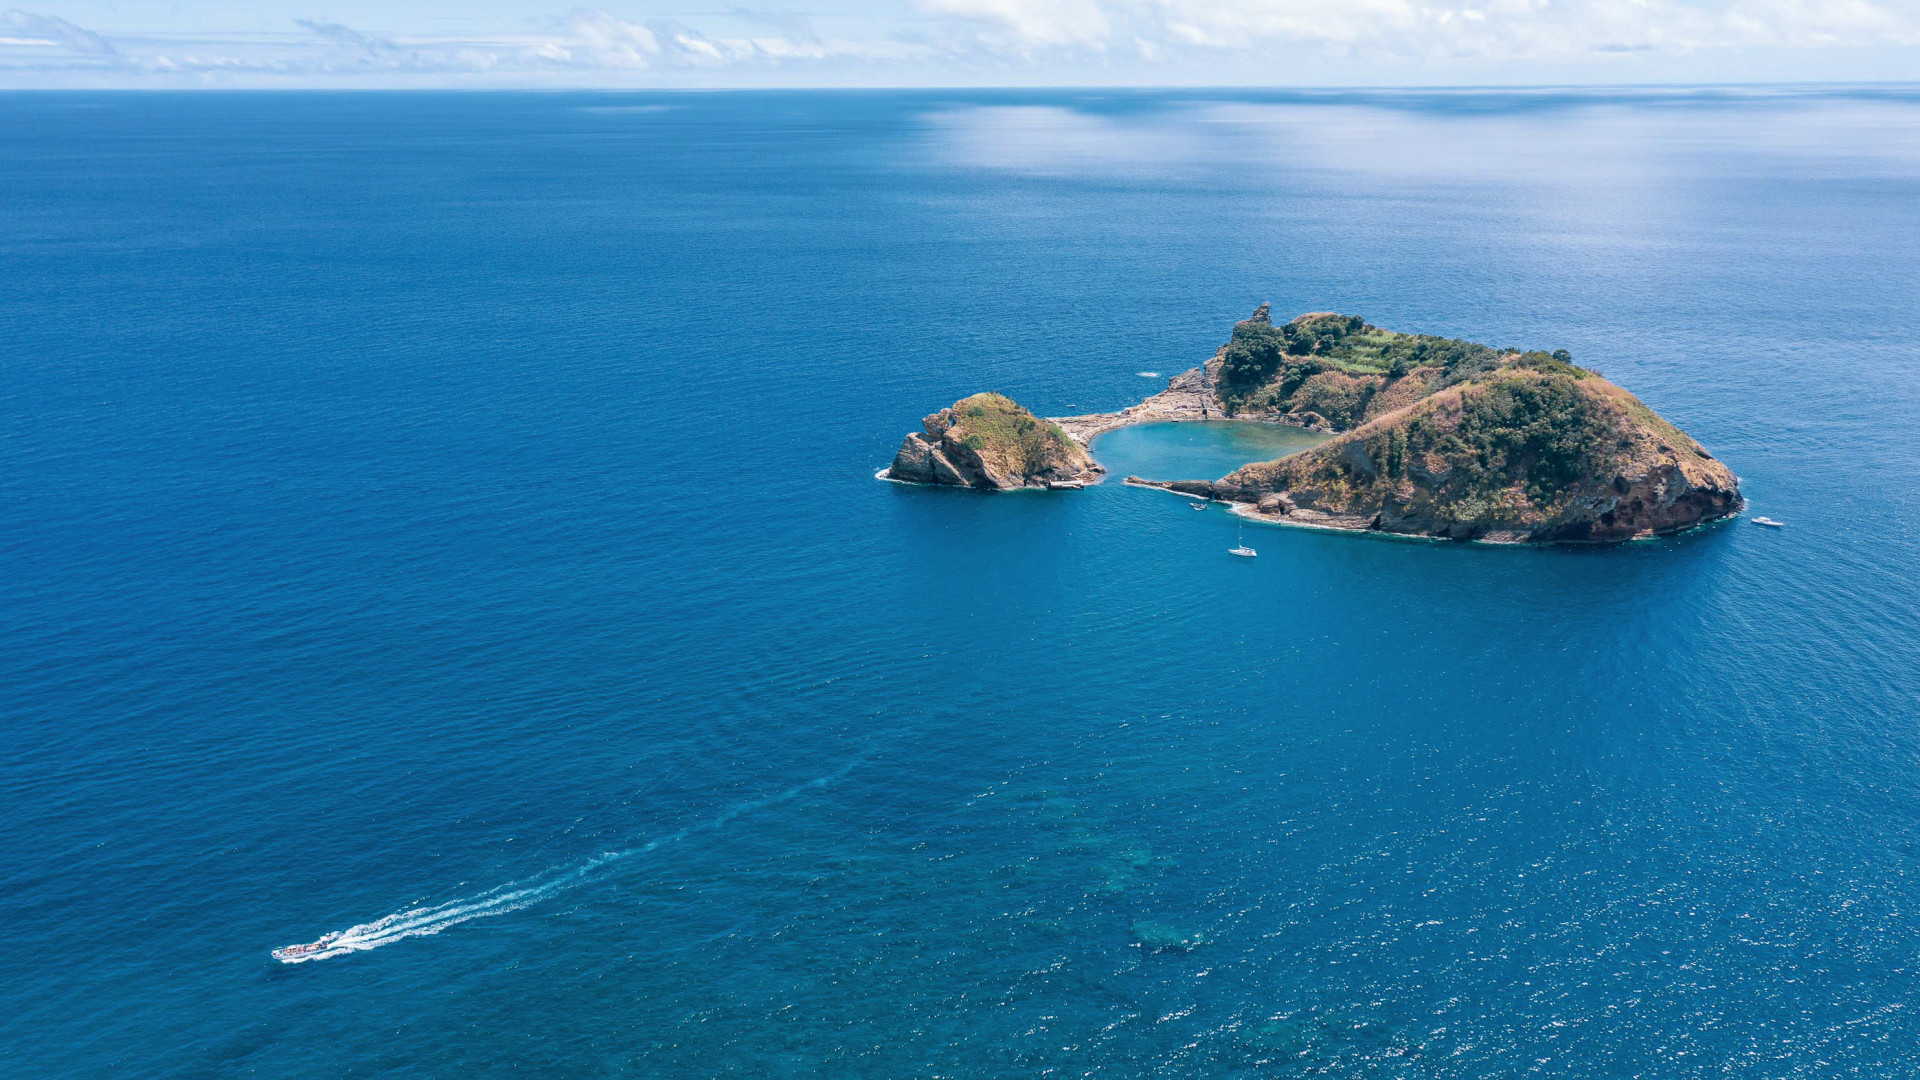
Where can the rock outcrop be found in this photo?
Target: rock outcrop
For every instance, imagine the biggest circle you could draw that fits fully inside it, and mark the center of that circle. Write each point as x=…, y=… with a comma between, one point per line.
x=987, y=441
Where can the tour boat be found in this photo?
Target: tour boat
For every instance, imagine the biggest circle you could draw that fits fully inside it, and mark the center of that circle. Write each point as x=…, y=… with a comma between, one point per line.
x=1769, y=523
x=1197, y=506
x=294, y=952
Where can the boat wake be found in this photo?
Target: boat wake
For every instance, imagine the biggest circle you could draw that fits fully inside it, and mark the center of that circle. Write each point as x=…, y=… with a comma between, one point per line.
x=419, y=922
x=429, y=920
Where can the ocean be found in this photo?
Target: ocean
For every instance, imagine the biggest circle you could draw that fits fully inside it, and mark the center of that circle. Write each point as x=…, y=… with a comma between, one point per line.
x=448, y=521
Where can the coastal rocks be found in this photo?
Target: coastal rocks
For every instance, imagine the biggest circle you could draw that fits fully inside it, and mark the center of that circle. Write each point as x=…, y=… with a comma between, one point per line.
x=1667, y=500
x=1202, y=488
x=986, y=441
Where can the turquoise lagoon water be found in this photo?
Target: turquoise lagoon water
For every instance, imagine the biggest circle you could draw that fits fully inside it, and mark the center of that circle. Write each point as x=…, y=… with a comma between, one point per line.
x=449, y=520
x=1183, y=450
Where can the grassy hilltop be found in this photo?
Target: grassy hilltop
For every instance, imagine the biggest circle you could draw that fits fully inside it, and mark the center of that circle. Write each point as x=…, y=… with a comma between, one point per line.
x=1452, y=438
x=1338, y=370
x=988, y=441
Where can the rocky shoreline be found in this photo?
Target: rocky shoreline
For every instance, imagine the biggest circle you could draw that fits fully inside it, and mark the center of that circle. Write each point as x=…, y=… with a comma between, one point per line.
x=1281, y=513
x=1294, y=517
x=1188, y=396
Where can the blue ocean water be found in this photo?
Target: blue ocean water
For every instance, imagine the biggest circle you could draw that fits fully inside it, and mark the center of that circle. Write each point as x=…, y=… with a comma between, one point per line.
x=450, y=520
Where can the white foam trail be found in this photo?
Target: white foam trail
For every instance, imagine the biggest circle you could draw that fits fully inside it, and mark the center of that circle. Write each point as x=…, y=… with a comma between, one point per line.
x=420, y=922
x=515, y=895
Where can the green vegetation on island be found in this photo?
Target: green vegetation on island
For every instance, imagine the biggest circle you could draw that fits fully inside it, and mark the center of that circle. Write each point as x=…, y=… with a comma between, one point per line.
x=1433, y=436
x=1442, y=437
x=988, y=441
x=1327, y=369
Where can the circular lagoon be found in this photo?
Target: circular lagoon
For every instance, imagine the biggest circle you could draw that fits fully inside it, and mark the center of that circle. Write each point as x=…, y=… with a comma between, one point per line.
x=1186, y=450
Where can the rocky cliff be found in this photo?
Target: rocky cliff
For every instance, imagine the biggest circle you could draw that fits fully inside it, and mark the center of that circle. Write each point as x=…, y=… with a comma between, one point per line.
x=987, y=441
x=1452, y=439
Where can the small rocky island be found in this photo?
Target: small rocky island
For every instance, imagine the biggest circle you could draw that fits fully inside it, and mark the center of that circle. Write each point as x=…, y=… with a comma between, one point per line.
x=1431, y=437
x=986, y=441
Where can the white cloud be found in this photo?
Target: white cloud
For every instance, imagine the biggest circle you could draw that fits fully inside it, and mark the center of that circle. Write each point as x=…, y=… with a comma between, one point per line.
x=1025, y=23
x=793, y=25
x=1272, y=42
x=49, y=31
x=346, y=35
x=597, y=38
x=1510, y=29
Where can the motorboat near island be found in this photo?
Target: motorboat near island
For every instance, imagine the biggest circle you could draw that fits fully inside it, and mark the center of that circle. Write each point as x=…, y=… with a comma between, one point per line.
x=1197, y=506
x=293, y=954
x=1243, y=551
x=1769, y=523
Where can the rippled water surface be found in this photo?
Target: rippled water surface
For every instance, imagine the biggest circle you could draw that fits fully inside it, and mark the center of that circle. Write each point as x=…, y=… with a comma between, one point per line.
x=448, y=522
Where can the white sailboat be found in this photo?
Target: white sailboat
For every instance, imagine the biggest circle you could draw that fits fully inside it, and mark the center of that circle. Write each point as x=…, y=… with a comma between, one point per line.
x=1240, y=547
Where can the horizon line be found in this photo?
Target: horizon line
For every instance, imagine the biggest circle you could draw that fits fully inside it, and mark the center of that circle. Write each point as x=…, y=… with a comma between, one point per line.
x=982, y=87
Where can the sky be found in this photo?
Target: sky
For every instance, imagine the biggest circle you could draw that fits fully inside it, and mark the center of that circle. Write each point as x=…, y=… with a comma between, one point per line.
x=370, y=44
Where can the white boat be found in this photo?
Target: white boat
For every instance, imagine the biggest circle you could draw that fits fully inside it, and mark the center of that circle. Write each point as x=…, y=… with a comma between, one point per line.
x=1243, y=551
x=1769, y=523
x=1197, y=506
x=291, y=953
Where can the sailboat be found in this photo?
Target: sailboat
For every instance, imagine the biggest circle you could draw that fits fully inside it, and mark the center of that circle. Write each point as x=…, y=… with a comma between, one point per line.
x=1241, y=549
